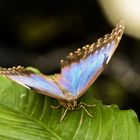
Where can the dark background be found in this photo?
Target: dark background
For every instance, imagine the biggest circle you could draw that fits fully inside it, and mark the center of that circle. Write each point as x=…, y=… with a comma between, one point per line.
x=39, y=33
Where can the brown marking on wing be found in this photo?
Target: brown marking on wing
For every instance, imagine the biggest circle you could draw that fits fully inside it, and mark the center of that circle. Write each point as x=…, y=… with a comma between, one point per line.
x=84, y=52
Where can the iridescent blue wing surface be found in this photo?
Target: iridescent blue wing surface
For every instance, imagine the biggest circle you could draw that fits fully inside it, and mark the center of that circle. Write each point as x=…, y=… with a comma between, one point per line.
x=37, y=82
x=82, y=67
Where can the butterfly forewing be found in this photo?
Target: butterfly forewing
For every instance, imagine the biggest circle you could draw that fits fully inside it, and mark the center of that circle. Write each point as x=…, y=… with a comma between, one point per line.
x=82, y=67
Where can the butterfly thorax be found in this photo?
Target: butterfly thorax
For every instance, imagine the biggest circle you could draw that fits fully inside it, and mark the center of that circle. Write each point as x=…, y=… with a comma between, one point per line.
x=70, y=105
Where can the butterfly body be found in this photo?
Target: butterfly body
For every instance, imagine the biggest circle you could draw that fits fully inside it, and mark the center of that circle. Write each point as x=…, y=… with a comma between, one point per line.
x=70, y=105
x=78, y=72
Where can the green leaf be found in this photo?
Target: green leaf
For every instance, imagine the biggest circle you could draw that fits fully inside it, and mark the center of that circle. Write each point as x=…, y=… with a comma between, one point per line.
x=26, y=115
x=33, y=69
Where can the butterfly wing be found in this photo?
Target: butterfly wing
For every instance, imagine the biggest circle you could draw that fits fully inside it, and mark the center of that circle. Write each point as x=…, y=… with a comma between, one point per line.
x=78, y=72
x=82, y=67
x=37, y=82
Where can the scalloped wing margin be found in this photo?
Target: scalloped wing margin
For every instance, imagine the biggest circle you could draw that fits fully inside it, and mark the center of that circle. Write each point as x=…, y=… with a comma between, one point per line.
x=37, y=82
x=82, y=67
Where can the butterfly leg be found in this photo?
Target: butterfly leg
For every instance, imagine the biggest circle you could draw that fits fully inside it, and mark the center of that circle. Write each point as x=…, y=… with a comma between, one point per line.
x=63, y=114
x=84, y=104
x=55, y=107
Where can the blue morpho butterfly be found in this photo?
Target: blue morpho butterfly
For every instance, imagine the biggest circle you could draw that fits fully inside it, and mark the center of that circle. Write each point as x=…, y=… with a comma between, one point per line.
x=78, y=72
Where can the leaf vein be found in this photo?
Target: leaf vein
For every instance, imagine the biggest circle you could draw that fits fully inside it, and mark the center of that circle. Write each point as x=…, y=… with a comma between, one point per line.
x=113, y=127
x=79, y=126
x=89, y=124
x=100, y=124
